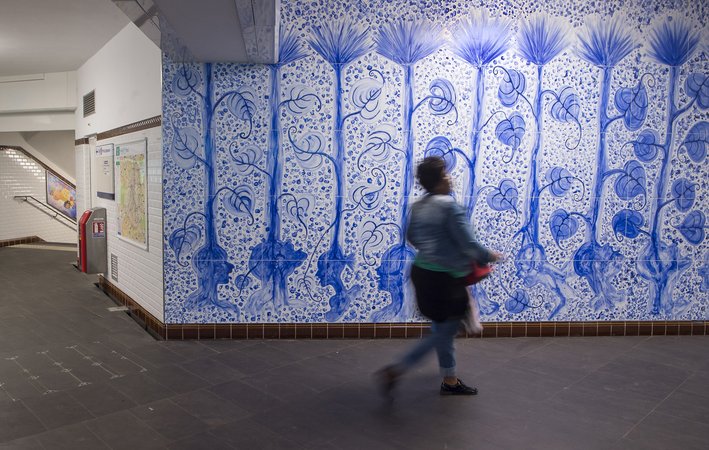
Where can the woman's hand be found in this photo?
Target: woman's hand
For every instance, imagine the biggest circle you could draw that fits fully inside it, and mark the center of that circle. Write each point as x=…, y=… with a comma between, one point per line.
x=497, y=257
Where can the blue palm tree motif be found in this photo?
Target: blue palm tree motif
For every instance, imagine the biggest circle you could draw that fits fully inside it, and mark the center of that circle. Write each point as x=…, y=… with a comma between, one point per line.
x=479, y=40
x=193, y=146
x=339, y=43
x=661, y=262
x=273, y=260
x=540, y=40
x=604, y=44
x=406, y=43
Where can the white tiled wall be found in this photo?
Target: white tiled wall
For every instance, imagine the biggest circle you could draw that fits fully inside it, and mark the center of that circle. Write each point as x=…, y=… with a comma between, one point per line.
x=140, y=272
x=83, y=178
x=20, y=175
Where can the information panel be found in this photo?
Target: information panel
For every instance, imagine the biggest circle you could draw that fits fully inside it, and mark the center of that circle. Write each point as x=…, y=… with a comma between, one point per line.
x=103, y=172
x=132, y=192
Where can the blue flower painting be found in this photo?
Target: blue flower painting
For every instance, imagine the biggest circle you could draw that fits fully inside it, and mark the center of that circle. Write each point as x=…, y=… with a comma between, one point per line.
x=577, y=140
x=339, y=44
x=540, y=40
x=406, y=43
x=605, y=44
x=662, y=261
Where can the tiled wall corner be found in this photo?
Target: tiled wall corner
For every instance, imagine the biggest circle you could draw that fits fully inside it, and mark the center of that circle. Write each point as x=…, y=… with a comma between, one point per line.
x=20, y=175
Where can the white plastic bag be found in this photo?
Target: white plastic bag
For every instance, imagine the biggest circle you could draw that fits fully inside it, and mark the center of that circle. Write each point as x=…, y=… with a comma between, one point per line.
x=472, y=318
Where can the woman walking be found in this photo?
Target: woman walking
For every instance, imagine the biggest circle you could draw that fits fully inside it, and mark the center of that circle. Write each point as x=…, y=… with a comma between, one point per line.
x=446, y=251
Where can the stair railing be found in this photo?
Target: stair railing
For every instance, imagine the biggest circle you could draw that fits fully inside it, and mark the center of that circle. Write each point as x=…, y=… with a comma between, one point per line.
x=48, y=210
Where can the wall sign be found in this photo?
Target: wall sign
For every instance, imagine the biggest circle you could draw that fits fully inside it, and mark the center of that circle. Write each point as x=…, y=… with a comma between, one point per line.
x=98, y=228
x=102, y=169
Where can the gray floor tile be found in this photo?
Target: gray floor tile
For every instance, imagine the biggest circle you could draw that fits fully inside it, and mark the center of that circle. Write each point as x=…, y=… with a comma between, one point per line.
x=211, y=370
x=102, y=399
x=21, y=388
x=284, y=385
x=210, y=408
x=246, y=363
x=122, y=430
x=27, y=443
x=201, y=441
x=155, y=354
x=697, y=383
x=71, y=437
x=57, y=410
x=247, y=433
x=177, y=379
x=685, y=352
x=169, y=420
x=523, y=383
x=227, y=345
x=622, y=381
x=141, y=388
x=247, y=397
x=689, y=406
x=308, y=423
x=189, y=350
x=17, y=421
x=661, y=431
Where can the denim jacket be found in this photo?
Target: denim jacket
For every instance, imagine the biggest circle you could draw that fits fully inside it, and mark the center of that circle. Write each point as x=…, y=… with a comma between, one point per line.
x=441, y=233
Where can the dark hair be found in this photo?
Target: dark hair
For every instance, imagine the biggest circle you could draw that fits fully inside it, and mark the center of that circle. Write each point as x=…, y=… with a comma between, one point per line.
x=430, y=172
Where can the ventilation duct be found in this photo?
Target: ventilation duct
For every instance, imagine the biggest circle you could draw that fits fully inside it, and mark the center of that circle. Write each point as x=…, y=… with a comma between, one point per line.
x=89, y=103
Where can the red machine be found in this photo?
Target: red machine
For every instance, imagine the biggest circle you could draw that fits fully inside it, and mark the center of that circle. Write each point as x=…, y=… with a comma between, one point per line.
x=92, y=241
x=82, y=239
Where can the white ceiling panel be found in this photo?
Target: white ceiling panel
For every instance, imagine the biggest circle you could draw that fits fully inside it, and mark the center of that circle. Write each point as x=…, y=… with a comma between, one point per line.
x=42, y=36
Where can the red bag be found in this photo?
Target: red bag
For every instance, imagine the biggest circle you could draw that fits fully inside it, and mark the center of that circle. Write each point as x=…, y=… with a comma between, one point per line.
x=477, y=274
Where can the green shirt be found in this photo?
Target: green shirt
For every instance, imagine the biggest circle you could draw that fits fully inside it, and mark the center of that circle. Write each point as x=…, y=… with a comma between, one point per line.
x=418, y=262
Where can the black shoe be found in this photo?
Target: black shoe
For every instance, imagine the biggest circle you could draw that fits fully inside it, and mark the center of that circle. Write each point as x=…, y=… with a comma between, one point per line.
x=387, y=378
x=458, y=389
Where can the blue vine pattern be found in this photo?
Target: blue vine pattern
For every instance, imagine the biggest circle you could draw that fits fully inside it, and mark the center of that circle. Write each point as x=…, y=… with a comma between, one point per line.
x=288, y=186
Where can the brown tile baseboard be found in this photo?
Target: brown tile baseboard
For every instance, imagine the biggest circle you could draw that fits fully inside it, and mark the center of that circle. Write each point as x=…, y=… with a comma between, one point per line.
x=149, y=322
x=404, y=330
x=415, y=330
x=152, y=122
x=22, y=240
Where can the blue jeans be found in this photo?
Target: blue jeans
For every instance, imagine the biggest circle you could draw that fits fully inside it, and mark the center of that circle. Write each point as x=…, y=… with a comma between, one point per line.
x=441, y=338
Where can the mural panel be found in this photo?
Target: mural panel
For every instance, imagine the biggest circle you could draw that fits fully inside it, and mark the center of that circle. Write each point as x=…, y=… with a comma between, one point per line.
x=577, y=140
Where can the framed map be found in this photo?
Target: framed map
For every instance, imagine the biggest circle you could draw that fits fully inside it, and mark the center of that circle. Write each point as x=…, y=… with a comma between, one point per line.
x=61, y=196
x=132, y=192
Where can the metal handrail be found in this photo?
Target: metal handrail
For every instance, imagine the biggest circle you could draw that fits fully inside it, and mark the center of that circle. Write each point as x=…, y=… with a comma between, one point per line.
x=52, y=212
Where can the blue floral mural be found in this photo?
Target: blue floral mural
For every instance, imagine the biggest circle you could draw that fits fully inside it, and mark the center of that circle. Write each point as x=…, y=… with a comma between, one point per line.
x=577, y=140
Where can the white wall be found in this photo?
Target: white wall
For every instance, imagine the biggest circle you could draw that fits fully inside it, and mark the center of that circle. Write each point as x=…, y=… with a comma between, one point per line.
x=125, y=74
x=20, y=175
x=140, y=273
x=38, y=102
x=56, y=146
x=82, y=158
x=54, y=149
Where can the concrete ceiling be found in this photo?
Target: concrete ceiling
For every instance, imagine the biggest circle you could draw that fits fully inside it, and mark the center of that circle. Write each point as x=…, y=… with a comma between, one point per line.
x=43, y=36
x=241, y=31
